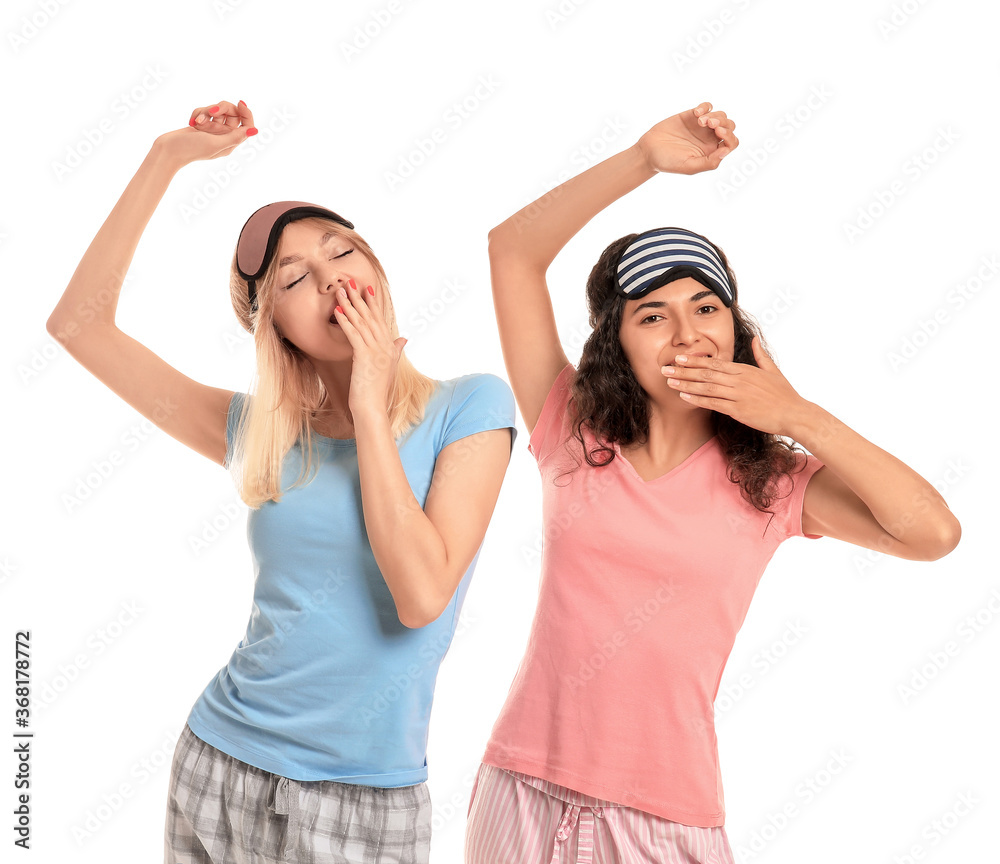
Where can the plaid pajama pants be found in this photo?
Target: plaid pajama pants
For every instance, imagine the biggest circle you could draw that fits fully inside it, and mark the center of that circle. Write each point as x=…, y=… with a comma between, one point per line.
x=222, y=811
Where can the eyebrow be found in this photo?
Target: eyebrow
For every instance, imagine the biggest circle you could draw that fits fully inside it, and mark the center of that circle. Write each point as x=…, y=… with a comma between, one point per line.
x=291, y=259
x=661, y=304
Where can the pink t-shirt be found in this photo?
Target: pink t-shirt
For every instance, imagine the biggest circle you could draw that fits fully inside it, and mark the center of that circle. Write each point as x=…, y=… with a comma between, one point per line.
x=644, y=586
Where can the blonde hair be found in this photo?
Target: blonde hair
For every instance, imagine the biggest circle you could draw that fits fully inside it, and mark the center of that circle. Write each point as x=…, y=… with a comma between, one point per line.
x=288, y=390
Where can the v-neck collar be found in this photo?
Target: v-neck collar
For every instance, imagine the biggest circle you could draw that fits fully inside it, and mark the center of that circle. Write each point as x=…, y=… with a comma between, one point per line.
x=680, y=466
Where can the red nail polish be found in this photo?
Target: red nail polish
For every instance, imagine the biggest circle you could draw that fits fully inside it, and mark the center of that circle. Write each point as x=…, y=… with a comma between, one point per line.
x=251, y=131
x=350, y=283
x=244, y=104
x=191, y=122
x=341, y=311
x=371, y=290
x=213, y=110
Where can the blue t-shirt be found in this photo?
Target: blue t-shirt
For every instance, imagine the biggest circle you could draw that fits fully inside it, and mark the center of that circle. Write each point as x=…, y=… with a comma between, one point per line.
x=327, y=684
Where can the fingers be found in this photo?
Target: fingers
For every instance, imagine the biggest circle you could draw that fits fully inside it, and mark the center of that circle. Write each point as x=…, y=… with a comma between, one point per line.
x=357, y=303
x=376, y=353
x=723, y=127
x=706, y=382
x=764, y=360
x=223, y=114
x=245, y=114
x=704, y=376
x=703, y=367
x=726, y=135
x=199, y=116
x=346, y=311
x=702, y=385
x=204, y=117
x=223, y=118
x=723, y=406
x=715, y=120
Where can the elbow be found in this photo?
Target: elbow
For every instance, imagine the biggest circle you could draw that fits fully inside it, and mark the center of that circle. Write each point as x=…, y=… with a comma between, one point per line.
x=502, y=239
x=424, y=590
x=53, y=325
x=947, y=534
x=411, y=622
x=495, y=241
x=61, y=331
x=513, y=254
x=61, y=328
x=421, y=610
x=415, y=616
x=61, y=319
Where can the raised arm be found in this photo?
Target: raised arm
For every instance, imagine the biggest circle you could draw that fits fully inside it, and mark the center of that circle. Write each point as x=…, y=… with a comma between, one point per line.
x=83, y=320
x=422, y=552
x=522, y=248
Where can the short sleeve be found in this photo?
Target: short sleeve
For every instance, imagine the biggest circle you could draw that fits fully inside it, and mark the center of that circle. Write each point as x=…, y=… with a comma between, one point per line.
x=788, y=510
x=232, y=423
x=479, y=403
x=552, y=428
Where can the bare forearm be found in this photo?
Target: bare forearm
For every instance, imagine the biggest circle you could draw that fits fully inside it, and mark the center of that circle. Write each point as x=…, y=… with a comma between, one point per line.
x=91, y=298
x=904, y=503
x=537, y=232
x=408, y=549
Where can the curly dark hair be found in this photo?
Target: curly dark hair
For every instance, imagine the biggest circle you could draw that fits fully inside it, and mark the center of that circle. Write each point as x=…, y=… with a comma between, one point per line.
x=609, y=400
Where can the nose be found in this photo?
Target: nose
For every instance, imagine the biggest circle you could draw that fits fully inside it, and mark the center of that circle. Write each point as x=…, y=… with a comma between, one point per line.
x=685, y=331
x=334, y=278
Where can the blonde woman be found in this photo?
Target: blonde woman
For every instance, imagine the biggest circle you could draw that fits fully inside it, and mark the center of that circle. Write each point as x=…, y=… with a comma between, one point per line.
x=370, y=486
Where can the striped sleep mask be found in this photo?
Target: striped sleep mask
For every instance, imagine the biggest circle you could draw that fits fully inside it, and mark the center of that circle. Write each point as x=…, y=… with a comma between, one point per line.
x=672, y=253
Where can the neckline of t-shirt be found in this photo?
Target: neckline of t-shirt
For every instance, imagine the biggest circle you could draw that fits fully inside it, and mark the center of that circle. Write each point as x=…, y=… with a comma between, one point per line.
x=695, y=454
x=353, y=442
x=332, y=442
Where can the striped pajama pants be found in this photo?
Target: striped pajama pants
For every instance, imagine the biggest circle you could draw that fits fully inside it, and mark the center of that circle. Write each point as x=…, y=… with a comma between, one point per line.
x=517, y=819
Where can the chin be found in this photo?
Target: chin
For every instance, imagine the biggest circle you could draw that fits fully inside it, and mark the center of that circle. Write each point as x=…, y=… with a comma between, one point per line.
x=331, y=353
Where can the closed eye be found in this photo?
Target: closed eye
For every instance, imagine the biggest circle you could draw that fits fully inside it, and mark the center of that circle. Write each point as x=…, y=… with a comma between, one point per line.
x=303, y=276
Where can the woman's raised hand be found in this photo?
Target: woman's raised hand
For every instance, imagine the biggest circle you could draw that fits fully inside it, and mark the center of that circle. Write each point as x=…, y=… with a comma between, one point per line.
x=690, y=142
x=212, y=131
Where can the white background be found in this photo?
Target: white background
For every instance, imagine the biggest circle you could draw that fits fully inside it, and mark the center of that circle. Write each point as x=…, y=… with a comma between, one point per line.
x=855, y=96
